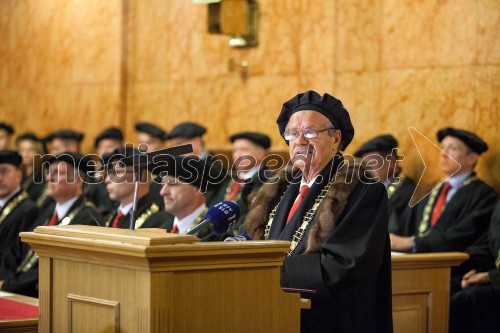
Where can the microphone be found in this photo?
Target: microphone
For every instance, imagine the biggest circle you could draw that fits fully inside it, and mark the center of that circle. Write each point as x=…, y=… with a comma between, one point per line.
x=218, y=220
x=238, y=238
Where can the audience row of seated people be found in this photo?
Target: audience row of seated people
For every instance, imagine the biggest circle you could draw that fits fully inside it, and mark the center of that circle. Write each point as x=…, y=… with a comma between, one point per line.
x=456, y=216
x=58, y=189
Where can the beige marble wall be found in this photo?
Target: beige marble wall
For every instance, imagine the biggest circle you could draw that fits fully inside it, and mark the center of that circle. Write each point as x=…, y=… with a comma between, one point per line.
x=395, y=64
x=60, y=64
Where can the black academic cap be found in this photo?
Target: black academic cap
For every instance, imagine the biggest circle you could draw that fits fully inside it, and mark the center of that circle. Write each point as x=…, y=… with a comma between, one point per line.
x=113, y=133
x=327, y=105
x=381, y=143
x=258, y=138
x=187, y=130
x=7, y=128
x=475, y=143
x=10, y=157
x=151, y=129
x=189, y=169
x=83, y=162
x=65, y=135
x=119, y=154
x=28, y=136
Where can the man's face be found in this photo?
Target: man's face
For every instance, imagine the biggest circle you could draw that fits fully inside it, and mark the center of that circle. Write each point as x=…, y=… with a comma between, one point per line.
x=177, y=196
x=246, y=154
x=153, y=143
x=312, y=155
x=27, y=150
x=4, y=139
x=120, y=184
x=107, y=146
x=458, y=151
x=378, y=164
x=58, y=146
x=10, y=179
x=63, y=183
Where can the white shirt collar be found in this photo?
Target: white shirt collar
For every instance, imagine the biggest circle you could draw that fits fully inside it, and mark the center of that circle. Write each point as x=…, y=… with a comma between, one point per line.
x=125, y=209
x=310, y=184
x=248, y=174
x=63, y=209
x=188, y=221
x=3, y=201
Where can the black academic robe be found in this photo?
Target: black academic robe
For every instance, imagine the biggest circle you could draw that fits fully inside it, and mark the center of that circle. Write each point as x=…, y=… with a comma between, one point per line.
x=399, y=197
x=464, y=219
x=34, y=185
x=149, y=215
x=25, y=279
x=350, y=267
x=477, y=308
x=17, y=215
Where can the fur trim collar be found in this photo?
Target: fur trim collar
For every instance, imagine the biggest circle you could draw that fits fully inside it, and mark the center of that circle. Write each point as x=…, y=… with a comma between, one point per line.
x=327, y=214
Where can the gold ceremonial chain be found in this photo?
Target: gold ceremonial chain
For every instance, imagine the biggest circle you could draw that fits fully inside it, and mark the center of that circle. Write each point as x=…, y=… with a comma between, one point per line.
x=392, y=188
x=12, y=205
x=299, y=233
x=29, y=260
x=423, y=227
x=497, y=263
x=144, y=216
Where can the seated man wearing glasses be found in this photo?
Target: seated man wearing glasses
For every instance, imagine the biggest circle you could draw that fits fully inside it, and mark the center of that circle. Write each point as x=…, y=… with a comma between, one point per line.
x=335, y=218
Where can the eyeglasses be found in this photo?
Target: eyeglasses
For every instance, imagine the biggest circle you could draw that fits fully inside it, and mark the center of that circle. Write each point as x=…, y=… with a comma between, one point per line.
x=309, y=133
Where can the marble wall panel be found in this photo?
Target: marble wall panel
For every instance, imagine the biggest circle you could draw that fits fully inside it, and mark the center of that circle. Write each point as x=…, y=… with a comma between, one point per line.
x=426, y=99
x=487, y=120
x=359, y=35
x=488, y=33
x=428, y=33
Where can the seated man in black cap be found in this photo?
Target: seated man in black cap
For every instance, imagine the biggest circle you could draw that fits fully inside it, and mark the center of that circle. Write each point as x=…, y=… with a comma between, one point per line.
x=120, y=186
x=108, y=140
x=17, y=212
x=192, y=133
x=249, y=173
x=152, y=136
x=457, y=213
x=336, y=221
x=31, y=149
x=185, y=182
x=6, y=131
x=380, y=156
x=64, y=141
x=65, y=176
x=476, y=307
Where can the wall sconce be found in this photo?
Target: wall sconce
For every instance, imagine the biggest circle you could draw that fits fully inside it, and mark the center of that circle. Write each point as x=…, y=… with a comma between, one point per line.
x=236, y=18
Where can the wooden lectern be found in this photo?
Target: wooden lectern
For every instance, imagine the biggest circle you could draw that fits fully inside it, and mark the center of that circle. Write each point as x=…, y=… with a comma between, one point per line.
x=95, y=279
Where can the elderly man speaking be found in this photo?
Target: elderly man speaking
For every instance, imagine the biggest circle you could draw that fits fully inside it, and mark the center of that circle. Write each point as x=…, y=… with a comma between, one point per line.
x=335, y=219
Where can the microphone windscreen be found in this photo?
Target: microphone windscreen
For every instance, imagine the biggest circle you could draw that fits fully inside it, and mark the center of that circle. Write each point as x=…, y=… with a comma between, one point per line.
x=223, y=215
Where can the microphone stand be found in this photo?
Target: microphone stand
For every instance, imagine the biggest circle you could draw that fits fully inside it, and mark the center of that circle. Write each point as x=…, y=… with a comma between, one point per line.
x=138, y=169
